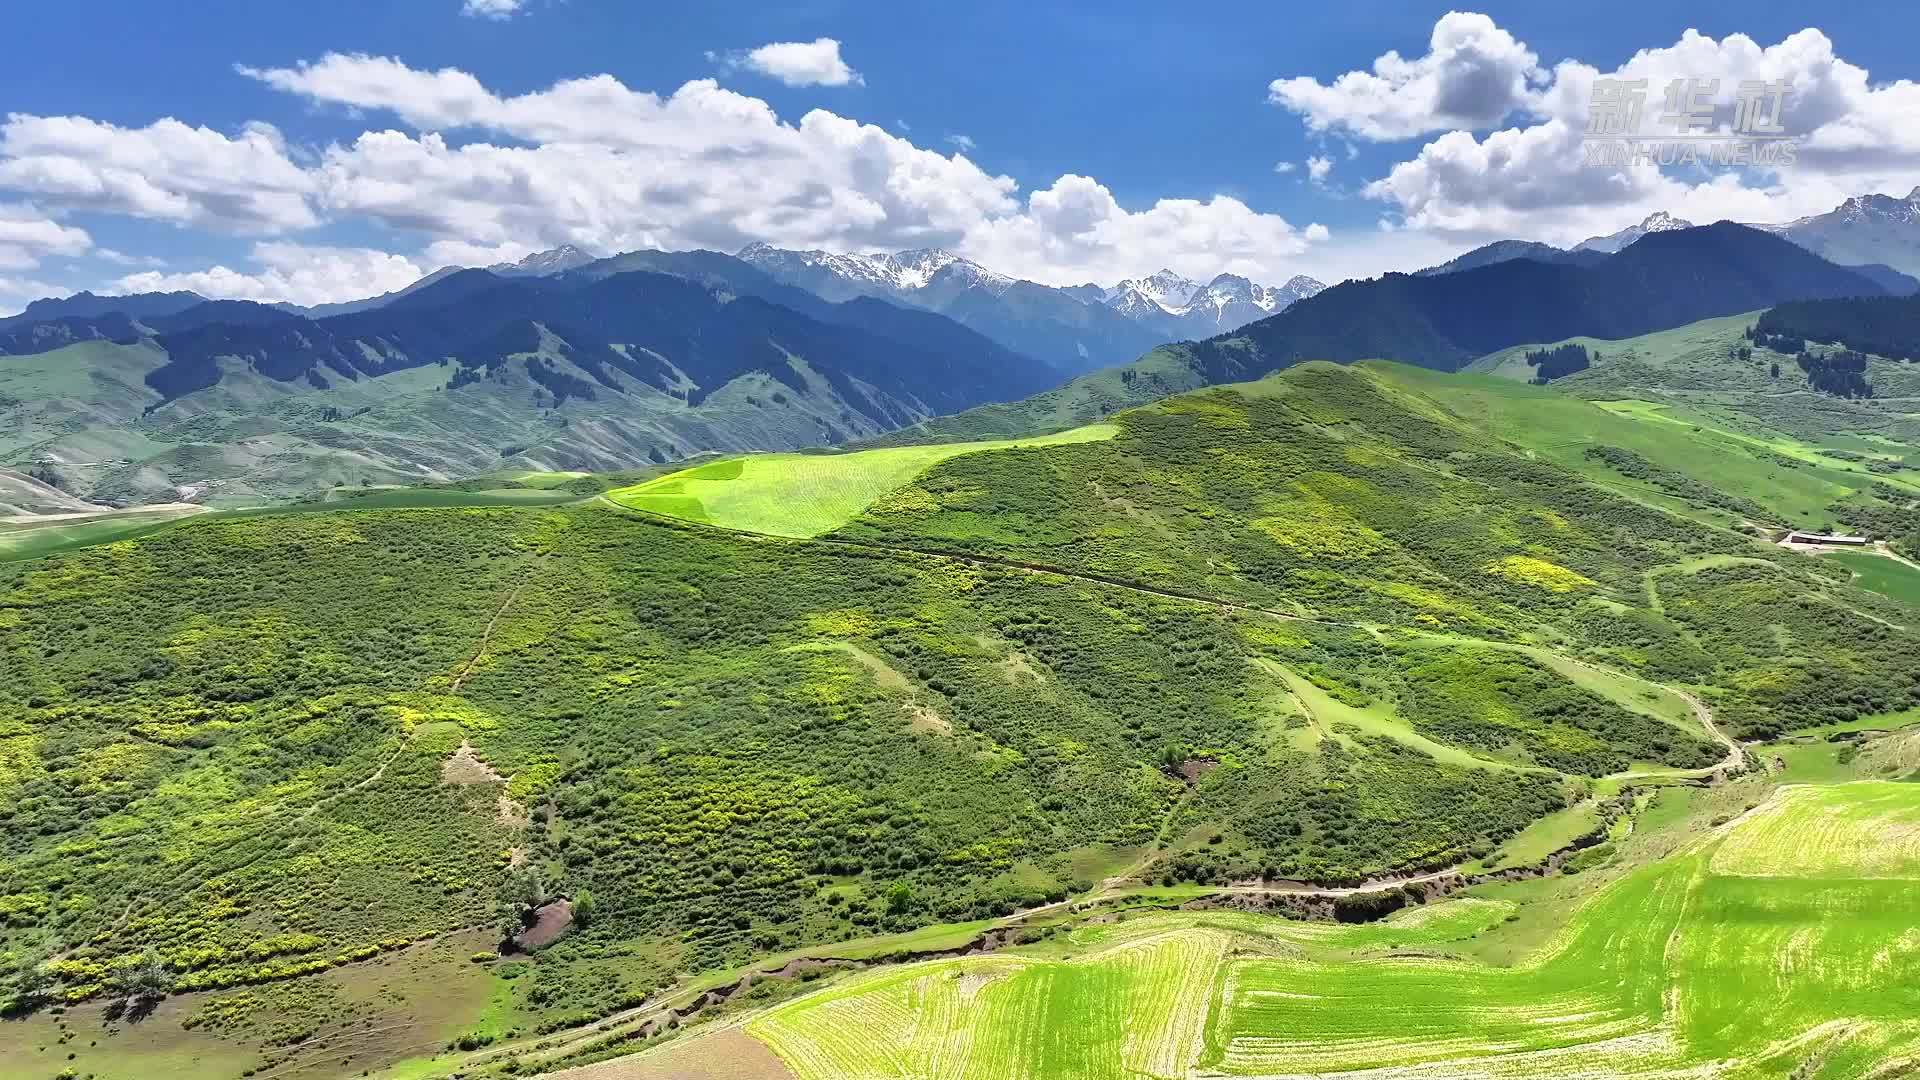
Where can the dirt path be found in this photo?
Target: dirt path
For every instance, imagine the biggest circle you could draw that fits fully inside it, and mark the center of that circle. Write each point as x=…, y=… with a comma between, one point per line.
x=487, y=636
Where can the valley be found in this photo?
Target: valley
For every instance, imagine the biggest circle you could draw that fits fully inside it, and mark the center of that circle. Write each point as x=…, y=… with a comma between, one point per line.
x=1324, y=644
x=568, y=540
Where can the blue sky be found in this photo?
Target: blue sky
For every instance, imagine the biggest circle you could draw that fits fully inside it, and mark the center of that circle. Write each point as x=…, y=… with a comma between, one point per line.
x=1147, y=102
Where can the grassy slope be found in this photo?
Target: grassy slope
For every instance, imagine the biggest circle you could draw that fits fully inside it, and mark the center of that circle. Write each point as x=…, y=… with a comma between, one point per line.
x=1882, y=575
x=744, y=746
x=250, y=438
x=808, y=494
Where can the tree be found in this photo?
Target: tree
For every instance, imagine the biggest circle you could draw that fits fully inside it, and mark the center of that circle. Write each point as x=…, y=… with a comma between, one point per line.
x=583, y=909
x=899, y=898
x=521, y=896
x=140, y=982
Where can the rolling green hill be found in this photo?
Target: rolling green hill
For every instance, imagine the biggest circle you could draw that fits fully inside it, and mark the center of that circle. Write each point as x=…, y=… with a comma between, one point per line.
x=291, y=781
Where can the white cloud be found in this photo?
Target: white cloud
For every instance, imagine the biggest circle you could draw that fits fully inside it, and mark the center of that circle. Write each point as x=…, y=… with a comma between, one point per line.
x=799, y=63
x=964, y=143
x=1531, y=180
x=1284, y=167
x=1075, y=231
x=121, y=258
x=1473, y=75
x=27, y=235
x=16, y=293
x=299, y=273
x=492, y=9
x=593, y=163
x=1318, y=168
x=166, y=171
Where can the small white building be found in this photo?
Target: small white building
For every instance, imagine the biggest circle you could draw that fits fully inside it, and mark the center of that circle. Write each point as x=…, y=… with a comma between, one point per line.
x=1827, y=539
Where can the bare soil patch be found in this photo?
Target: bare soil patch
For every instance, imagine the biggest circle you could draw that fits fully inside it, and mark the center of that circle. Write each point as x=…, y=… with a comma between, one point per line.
x=464, y=767
x=925, y=720
x=550, y=923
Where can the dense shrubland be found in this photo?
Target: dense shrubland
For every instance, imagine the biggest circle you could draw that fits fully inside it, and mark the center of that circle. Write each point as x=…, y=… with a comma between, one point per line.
x=239, y=751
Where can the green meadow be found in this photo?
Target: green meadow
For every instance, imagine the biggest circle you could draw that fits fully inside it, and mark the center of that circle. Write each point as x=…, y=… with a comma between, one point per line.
x=808, y=494
x=1886, y=576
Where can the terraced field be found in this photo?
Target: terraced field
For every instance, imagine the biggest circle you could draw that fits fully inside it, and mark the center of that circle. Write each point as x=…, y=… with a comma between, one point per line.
x=809, y=494
x=1784, y=944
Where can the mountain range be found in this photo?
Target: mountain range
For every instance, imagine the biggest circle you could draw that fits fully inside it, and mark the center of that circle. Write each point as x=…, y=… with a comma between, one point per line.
x=1076, y=329
x=1669, y=277
x=564, y=361
x=230, y=400
x=1868, y=232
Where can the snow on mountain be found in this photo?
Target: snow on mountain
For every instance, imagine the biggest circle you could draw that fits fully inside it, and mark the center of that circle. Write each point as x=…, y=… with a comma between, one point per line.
x=878, y=274
x=1164, y=287
x=544, y=263
x=1230, y=301
x=1658, y=221
x=1864, y=230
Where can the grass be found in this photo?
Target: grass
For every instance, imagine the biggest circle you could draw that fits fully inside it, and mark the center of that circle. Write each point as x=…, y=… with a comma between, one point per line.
x=1562, y=428
x=809, y=494
x=1329, y=716
x=1656, y=973
x=31, y=541
x=1546, y=836
x=1885, y=576
x=1875, y=722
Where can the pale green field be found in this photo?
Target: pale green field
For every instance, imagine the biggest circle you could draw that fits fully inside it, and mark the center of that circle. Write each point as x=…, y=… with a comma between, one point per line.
x=1545, y=836
x=1758, y=951
x=808, y=494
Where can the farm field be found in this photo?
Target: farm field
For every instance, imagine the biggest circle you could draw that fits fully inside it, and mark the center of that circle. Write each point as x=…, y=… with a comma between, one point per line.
x=1883, y=575
x=32, y=539
x=1652, y=976
x=809, y=494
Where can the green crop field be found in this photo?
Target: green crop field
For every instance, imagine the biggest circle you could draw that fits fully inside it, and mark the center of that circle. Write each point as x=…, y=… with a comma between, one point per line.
x=1883, y=575
x=808, y=494
x=1764, y=951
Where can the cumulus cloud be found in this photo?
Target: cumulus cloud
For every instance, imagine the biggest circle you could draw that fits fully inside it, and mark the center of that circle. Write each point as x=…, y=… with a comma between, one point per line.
x=1076, y=230
x=282, y=271
x=593, y=163
x=965, y=143
x=799, y=63
x=166, y=171
x=1532, y=179
x=27, y=235
x=1473, y=75
x=16, y=293
x=1284, y=167
x=492, y=9
x=1318, y=168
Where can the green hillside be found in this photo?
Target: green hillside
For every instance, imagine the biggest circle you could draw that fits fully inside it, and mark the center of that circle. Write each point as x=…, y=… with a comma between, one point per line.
x=1653, y=976
x=291, y=780
x=808, y=494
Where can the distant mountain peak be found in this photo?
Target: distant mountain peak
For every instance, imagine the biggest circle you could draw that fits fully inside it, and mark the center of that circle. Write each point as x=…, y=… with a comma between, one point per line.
x=1658, y=221
x=543, y=263
x=1169, y=290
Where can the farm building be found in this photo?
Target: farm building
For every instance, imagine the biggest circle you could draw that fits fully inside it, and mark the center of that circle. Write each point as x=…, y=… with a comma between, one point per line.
x=1827, y=539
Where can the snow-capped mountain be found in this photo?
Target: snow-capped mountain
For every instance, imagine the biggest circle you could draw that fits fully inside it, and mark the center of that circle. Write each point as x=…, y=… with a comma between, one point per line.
x=1075, y=328
x=1056, y=326
x=841, y=277
x=1864, y=230
x=1230, y=301
x=544, y=263
x=1163, y=287
x=1658, y=221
